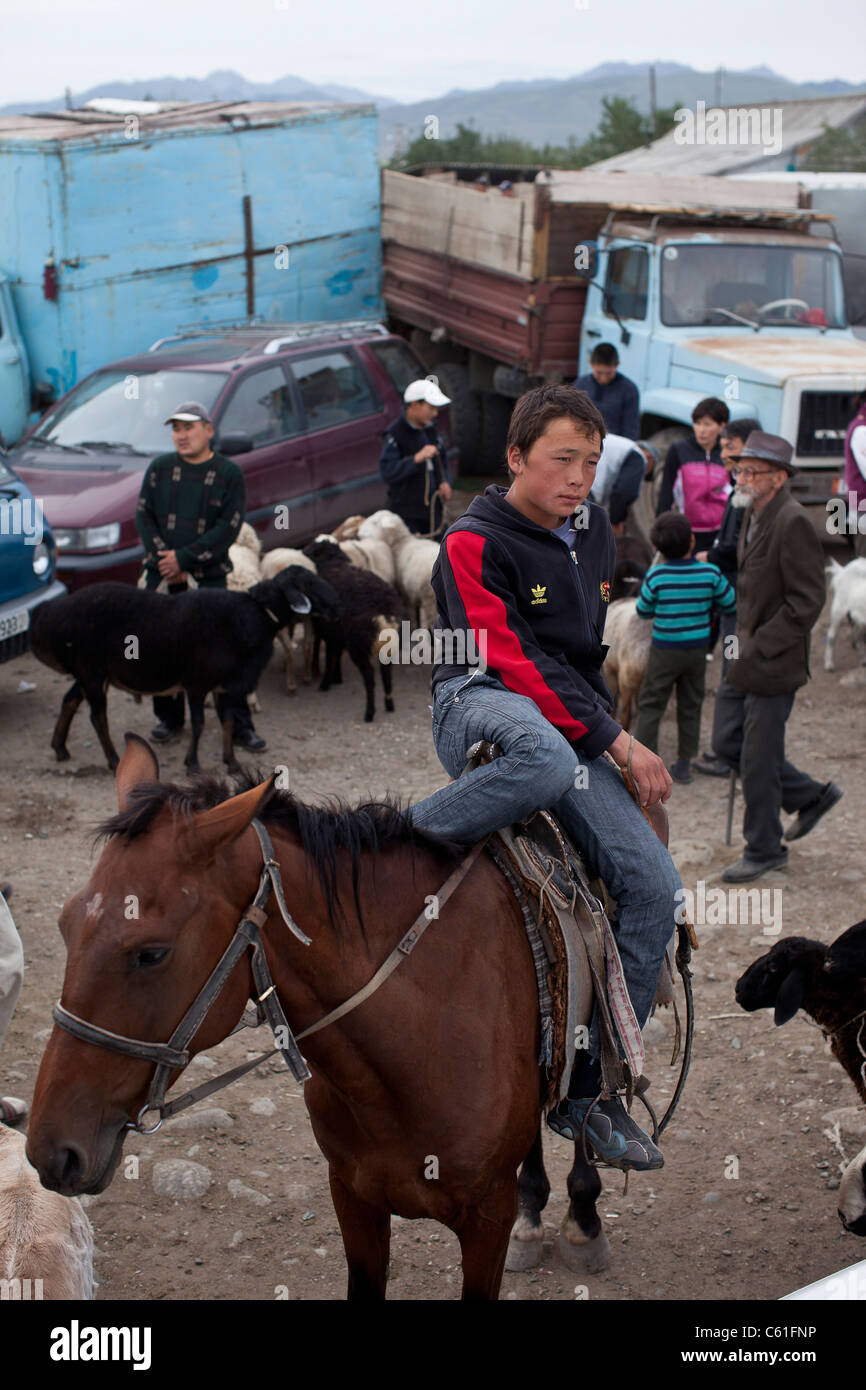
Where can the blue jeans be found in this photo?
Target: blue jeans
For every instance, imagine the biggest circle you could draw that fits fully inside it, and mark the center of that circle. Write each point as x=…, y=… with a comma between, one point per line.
x=540, y=769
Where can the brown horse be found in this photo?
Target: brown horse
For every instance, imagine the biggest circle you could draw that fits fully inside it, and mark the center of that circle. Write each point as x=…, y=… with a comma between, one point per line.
x=425, y=1099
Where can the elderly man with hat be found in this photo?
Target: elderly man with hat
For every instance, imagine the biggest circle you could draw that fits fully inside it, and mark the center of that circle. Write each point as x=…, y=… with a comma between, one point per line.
x=780, y=594
x=414, y=461
x=190, y=510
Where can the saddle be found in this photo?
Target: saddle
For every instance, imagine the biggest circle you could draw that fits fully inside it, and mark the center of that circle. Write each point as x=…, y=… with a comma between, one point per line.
x=577, y=964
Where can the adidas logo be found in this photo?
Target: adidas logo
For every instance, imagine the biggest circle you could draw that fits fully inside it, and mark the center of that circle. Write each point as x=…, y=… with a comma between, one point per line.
x=538, y=593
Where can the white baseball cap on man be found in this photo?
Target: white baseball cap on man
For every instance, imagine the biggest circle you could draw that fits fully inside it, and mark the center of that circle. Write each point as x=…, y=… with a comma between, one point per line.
x=426, y=389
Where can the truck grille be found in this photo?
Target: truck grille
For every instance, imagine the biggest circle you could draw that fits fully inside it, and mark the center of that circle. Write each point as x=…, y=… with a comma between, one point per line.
x=824, y=420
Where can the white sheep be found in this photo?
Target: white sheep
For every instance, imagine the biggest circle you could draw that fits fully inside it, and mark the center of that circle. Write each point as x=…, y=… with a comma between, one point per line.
x=272, y=564
x=414, y=558
x=43, y=1236
x=630, y=639
x=848, y=590
x=245, y=553
x=852, y=1196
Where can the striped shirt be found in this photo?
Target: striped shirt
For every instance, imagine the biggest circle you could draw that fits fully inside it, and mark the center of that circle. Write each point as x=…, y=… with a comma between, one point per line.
x=679, y=595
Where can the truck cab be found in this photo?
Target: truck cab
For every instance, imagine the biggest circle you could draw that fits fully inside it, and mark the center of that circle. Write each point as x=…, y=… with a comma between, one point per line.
x=749, y=312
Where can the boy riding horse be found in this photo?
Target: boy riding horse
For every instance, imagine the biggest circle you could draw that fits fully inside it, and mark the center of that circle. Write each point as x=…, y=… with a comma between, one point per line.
x=527, y=570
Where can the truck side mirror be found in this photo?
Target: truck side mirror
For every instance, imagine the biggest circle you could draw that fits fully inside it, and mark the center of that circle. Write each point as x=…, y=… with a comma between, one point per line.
x=235, y=442
x=586, y=260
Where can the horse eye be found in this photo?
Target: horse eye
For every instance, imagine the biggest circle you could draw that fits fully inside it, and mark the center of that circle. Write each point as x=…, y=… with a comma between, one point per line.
x=153, y=956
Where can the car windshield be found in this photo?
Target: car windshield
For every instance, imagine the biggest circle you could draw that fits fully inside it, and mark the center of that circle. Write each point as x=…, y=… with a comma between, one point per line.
x=757, y=283
x=125, y=412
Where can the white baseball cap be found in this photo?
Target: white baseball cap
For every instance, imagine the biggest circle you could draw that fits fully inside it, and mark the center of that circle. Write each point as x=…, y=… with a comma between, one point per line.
x=426, y=389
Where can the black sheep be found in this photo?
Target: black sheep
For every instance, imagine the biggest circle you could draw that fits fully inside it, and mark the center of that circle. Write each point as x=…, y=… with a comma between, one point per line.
x=154, y=644
x=829, y=982
x=367, y=605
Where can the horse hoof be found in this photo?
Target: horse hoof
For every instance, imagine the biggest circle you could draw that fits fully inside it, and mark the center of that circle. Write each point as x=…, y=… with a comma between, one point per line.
x=523, y=1254
x=585, y=1256
x=62, y=755
x=389, y=706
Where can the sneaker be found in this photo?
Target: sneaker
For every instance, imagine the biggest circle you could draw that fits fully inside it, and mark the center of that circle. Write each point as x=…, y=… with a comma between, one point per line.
x=681, y=770
x=748, y=868
x=610, y=1129
x=250, y=740
x=12, y=1110
x=163, y=732
x=809, y=816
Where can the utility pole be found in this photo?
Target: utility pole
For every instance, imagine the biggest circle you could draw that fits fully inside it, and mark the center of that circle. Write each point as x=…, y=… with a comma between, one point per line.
x=652, y=102
x=719, y=86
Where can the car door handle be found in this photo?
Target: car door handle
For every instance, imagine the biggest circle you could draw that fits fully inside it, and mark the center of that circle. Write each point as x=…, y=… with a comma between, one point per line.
x=593, y=333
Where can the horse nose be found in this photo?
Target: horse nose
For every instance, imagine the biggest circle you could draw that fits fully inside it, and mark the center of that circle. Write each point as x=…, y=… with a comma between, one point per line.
x=64, y=1171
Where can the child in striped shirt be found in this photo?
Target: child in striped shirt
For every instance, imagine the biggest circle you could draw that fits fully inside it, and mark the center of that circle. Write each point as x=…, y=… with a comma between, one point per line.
x=679, y=595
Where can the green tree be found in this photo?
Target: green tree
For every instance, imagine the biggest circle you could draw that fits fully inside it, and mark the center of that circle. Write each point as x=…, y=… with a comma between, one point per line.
x=843, y=150
x=622, y=127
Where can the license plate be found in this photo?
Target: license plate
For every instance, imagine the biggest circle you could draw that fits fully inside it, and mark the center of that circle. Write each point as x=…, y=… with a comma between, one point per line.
x=13, y=623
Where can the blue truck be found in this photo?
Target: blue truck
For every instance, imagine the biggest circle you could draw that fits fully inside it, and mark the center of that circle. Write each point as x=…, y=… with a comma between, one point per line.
x=706, y=287
x=117, y=229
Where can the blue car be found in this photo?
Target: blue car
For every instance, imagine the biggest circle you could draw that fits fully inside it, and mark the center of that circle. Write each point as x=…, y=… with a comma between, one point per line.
x=27, y=562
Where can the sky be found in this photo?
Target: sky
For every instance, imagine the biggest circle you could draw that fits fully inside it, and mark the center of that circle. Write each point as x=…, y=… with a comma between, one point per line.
x=408, y=50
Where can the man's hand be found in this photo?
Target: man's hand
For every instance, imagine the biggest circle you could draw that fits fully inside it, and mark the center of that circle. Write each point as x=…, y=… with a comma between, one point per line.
x=444, y=490
x=702, y=556
x=650, y=776
x=428, y=452
x=168, y=566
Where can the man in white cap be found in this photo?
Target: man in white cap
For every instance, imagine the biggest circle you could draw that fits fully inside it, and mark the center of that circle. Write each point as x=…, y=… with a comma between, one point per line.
x=414, y=460
x=190, y=510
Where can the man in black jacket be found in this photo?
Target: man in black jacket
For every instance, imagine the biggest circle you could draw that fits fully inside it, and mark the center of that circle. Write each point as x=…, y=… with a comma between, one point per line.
x=414, y=460
x=526, y=573
x=190, y=510
x=723, y=554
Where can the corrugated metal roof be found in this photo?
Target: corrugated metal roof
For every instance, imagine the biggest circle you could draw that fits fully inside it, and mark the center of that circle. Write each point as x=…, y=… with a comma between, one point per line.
x=89, y=124
x=801, y=122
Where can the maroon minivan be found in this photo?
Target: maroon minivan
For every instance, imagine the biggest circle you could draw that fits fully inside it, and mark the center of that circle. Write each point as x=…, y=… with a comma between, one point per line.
x=301, y=408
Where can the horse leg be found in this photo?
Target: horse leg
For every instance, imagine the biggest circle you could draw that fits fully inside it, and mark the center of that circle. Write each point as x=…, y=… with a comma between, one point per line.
x=483, y=1240
x=533, y=1190
x=366, y=1233
x=583, y=1244
x=68, y=710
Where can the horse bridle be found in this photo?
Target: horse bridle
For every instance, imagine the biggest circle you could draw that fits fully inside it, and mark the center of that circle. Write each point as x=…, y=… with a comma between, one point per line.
x=175, y=1055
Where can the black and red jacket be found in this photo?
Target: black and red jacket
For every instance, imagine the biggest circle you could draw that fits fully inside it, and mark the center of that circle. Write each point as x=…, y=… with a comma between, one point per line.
x=542, y=607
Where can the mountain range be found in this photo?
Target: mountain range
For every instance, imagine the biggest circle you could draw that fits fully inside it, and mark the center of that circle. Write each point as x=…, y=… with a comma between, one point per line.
x=540, y=110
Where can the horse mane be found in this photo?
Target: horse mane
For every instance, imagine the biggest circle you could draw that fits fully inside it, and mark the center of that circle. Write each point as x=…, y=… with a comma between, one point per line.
x=324, y=831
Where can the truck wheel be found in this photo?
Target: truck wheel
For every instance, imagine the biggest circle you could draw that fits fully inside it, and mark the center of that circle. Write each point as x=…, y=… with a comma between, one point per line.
x=643, y=511
x=495, y=418
x=464, y=413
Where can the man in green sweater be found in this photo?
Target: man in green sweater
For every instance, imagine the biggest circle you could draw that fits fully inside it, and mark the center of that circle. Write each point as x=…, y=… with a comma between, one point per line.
x=190, y=510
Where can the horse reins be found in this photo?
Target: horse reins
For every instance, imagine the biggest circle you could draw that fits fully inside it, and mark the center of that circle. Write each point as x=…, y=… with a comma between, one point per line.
x=174, y=1055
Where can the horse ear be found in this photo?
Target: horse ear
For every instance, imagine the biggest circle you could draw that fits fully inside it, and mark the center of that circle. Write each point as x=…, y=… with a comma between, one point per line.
x=138, y=764
x=790, y=997
x=223, y=823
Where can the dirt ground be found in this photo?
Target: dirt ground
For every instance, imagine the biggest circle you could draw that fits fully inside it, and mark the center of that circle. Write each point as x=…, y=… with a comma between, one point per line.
x=745, y=1206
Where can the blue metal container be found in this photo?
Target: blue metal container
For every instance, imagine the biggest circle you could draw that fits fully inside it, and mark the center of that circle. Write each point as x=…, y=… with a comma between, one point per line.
x=196, y=214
